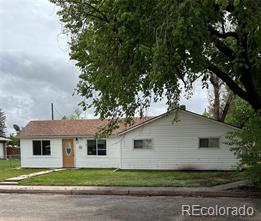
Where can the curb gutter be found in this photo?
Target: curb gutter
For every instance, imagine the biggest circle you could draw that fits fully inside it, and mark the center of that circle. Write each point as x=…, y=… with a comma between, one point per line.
x=125, y=191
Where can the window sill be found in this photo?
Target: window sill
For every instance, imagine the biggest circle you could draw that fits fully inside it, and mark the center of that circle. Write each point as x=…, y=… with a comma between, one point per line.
x=143, y=149
x=97, y=156
x=42, y=156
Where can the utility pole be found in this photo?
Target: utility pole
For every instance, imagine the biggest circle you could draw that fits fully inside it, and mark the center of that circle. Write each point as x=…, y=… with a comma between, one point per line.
x=52, y=110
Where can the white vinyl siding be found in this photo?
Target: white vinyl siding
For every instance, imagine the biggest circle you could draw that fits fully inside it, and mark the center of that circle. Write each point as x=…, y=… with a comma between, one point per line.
x=55, y=160
x=176, y=145
x=110, y=160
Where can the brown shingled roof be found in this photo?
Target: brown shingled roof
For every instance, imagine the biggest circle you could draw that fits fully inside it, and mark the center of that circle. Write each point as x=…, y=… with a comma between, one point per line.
x=56, y=128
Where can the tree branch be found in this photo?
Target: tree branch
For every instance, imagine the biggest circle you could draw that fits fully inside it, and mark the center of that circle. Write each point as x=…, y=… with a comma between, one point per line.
x=98, y=11
x=222, y=47
x=230, y=7
x=213, y=31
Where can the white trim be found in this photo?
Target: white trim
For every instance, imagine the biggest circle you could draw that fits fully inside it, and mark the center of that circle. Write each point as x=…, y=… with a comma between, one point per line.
x=42, y=156
x=74, y=152
x=210, y=119
x=144, y=123
x=176, y=110
x=54, y=137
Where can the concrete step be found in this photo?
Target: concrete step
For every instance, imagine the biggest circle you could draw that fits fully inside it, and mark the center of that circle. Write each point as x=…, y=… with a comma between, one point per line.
x=8, y=183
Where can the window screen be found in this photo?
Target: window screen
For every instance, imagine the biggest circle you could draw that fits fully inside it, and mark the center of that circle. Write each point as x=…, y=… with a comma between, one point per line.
x=208, y=142
x=41, y=147
x=101, y=147
x=96, y=147
x=143, y=144
x=91, y=147
x=37, y=147
x=46, y=147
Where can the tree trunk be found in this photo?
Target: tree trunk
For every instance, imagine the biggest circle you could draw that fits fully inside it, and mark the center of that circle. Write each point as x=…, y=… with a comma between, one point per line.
x=217, y=111
x=229, y=101
x=215, y=81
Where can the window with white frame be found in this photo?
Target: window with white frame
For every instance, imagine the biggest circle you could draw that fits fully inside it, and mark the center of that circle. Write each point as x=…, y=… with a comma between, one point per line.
x=41, y=148
x=212, y=142
x=142, y=144
x=96, y=147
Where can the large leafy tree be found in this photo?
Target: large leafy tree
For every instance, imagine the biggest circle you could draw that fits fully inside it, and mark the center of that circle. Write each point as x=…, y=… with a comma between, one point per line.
x=2, y=124
x=131, y=52
x=246, y=143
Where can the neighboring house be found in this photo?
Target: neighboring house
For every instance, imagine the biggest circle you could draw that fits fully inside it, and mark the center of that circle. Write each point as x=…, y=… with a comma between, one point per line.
x=178, y=140
x=13, y=151
x=3, y=152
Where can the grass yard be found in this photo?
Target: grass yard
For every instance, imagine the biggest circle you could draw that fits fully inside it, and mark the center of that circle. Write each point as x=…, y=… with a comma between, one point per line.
x=106, y=177
x=8, y=169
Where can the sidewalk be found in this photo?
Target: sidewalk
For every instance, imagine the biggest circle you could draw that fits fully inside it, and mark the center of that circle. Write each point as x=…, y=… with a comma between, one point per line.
x=15, y=180
x=217, y=191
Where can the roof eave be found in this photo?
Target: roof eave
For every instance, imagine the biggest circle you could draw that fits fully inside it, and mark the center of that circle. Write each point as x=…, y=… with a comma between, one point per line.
x=54, y=136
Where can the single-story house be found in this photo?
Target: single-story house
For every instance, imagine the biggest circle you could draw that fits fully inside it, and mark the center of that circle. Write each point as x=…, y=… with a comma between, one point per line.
x=3, y=146
x=176, y=140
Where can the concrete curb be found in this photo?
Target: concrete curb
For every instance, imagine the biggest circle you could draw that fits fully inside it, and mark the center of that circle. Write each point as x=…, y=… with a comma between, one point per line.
x=139, y=191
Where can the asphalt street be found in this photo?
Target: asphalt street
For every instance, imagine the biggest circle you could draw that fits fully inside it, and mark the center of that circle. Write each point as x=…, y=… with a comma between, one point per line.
x=36, y=207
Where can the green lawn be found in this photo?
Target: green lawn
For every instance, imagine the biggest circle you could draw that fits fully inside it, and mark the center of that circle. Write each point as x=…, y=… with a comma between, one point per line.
x=8, y=169
x=106, y=177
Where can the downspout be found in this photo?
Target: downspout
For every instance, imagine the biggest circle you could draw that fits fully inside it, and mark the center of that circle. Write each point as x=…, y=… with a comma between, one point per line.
x=121, y=140
x=120, y=163
x=121, y=152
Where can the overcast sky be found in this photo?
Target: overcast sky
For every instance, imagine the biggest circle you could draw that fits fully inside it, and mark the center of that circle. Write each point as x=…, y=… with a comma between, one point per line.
x=35, y=68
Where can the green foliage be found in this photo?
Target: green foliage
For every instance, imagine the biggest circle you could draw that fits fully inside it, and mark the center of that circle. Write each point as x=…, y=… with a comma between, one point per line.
x=133, y=52
x=206, y=114
x=239, y=113
x=8, y=169
x=246, y=143
x=2, y=124
x=14, y=140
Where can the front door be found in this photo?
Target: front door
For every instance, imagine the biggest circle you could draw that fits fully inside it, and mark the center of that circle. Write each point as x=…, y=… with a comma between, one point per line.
x=68, y=153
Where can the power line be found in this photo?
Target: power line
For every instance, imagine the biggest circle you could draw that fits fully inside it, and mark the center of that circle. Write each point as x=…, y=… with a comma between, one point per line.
x=56, y=111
